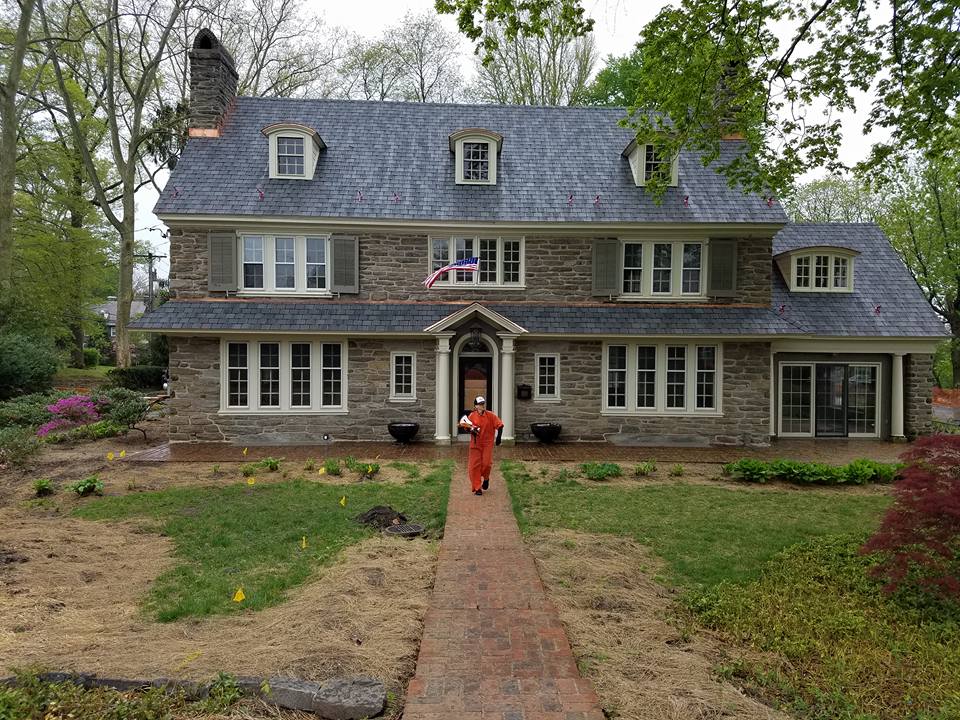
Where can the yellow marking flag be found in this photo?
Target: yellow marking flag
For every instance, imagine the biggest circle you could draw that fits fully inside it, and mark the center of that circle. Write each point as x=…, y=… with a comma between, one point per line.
x=244, y=452
x=110, y=455
x=322, y=471
x=238, y=596
x=303, y=543
x=343, y=501
x=251, y=480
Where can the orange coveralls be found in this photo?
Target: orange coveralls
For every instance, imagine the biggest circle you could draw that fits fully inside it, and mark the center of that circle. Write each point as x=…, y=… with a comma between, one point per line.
x=481, y=446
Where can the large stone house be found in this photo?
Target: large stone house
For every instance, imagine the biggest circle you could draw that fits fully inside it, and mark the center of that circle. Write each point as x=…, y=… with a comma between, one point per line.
x=302, y=232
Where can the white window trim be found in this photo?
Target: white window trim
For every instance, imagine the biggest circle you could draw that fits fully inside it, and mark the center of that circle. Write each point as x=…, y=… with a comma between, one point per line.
x=537, y=396
x=253, y=377
x=676, y=270
x=661, y=409
x=491, y=154
x=813, y=397
x=449, y=280
x=851, y=261
x=300, y=265
x=638, y=166
x=403, y=397
x=310, y=154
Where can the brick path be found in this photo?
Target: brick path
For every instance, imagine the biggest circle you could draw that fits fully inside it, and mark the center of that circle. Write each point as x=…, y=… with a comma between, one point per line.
x=493, y=645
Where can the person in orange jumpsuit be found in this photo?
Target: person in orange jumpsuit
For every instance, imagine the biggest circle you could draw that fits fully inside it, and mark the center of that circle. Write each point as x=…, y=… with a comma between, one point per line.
x=485, y=429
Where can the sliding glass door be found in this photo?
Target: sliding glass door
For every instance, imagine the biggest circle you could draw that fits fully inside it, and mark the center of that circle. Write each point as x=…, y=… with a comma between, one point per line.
x=829, y=400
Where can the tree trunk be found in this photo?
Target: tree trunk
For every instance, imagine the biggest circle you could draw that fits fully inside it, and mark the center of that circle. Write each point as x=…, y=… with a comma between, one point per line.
x=125, y=294
x=8, y=142
x=955, y=358
x=75, y=285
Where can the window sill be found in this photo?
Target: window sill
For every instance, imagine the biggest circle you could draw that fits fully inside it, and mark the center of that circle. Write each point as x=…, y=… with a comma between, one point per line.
x=659, y=414
x=292, y=411
x=547, y=401
x=825, y=291
x=462, y=286
x=284, y=293
x=625, y=297
x=402, y=400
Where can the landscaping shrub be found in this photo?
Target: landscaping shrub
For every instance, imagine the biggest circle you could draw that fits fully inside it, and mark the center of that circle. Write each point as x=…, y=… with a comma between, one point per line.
x=70, y=412
x=138, y=377
x=27, y=411
x=17, y=445
x=600, y=471
x=331, y=466
x=92, y=484
x=91, y=357
x=43, y=487
x=122, y=407
x=919, y=537
x=27, y=364
x=858, y=472
x=677, y=470
x=645, y=468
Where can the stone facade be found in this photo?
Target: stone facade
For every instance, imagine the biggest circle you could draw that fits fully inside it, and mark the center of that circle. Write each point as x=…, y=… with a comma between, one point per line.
x=745, y=392
x=213, y=81
x=393, y=266
x=918, y=384
x=195, y=408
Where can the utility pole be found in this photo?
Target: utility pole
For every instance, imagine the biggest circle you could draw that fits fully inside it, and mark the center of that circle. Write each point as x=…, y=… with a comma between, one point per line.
x=151, y=276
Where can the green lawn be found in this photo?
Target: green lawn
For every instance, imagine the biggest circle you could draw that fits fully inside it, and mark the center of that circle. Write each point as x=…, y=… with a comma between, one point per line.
x=250, y=536
x=706, y=534
x=97, y=373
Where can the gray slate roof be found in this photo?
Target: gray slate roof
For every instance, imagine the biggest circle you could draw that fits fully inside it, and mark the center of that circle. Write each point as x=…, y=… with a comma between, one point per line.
x=880, y=278
x=137, y=307
x=346, y=317
x=382, y=148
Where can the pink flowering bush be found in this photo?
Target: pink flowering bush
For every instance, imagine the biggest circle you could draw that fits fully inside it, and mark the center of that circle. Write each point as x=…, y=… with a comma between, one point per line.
x=69, y=412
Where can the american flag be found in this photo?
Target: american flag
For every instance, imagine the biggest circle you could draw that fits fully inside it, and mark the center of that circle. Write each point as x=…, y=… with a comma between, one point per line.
x=466, y=265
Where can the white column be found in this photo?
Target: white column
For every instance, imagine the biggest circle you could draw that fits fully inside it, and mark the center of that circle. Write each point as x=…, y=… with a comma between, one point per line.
x=442, y=434
x=507, y=385
x=896, y=400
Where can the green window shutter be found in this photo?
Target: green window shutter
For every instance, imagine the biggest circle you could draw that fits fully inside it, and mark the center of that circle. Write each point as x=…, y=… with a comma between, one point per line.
x=722, y=280
x=606, y=267
x=222, y=252
x=345, y=256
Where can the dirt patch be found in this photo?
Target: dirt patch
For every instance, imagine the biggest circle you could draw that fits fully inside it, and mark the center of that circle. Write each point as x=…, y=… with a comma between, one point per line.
x=642, y=666
x=693, y=474
x=75, y=605
x=381, y=516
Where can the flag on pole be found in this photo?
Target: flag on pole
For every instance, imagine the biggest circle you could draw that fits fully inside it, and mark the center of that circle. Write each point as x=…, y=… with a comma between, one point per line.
x=465, y=265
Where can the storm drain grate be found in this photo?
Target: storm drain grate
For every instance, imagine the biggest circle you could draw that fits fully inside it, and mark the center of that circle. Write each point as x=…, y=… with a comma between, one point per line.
x=404, y=530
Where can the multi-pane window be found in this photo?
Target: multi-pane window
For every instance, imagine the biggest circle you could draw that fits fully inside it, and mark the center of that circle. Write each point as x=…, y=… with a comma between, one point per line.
x=862, y=400
x=662, y=267
x=676, y=376
x=796, y=383
x=331, y=372
x=290, y=158
x=403, y=373
x=802, y=275
x=316, y=263
x=706, y=377
x=253, y=261
x=500, y=260
x=647, y=376
x=269, y=374
x=283, y=377
x=284, y=263
x=617, y=376
x=821, y=271
x=300, y=374
x=691, y=271
x=293, y=263
x=547, y=382
x=815, y=272
x=633, y=267
x=476, y=161
x=663, y=378
x=237, y=376
x=655, y=165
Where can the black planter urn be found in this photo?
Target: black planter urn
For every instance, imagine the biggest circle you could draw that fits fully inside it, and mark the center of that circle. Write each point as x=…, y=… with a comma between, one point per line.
x=545, y=432
x=403, y=432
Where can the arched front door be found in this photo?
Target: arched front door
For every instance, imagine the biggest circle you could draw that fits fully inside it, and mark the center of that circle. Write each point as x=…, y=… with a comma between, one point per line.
x=475, y=377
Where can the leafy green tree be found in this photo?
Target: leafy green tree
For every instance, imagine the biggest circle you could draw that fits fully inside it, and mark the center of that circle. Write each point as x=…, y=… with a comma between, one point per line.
x=834, y=198
x=616, y=85
x=920, y=212
x=712, y=69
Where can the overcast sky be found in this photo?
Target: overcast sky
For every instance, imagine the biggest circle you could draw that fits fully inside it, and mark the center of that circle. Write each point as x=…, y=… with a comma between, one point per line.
x=618, y=25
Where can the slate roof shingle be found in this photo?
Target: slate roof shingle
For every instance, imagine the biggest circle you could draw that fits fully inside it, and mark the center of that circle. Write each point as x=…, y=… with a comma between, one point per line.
x=382, y=148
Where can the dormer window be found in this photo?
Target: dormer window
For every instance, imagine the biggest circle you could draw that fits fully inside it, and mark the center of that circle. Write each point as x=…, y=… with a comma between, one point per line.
x=294, y=150
x=647, y=162
x=475, y=155
x=823, y=269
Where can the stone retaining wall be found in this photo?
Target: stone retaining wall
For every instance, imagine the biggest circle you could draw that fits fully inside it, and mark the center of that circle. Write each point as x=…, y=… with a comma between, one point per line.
x=393, y=266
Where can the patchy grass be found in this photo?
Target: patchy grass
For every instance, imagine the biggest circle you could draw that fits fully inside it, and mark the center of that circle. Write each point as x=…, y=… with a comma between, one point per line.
x=97, y=373
x=251, y=536
x=849, y=651
x=706, y=534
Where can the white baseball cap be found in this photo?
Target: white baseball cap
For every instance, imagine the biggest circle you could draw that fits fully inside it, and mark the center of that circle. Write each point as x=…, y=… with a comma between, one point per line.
x=480, y=400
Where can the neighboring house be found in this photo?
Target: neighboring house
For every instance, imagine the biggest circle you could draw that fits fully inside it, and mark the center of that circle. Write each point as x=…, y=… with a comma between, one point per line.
x=301, y=232
x=108, y=313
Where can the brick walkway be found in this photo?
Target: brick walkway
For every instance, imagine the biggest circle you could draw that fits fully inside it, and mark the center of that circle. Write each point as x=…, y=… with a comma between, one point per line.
x=493, y=645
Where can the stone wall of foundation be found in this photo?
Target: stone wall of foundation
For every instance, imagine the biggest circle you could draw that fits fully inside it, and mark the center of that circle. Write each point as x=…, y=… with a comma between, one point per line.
x=918, y=383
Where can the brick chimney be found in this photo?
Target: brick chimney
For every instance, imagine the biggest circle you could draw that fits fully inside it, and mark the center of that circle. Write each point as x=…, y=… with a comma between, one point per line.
x=213, y=84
